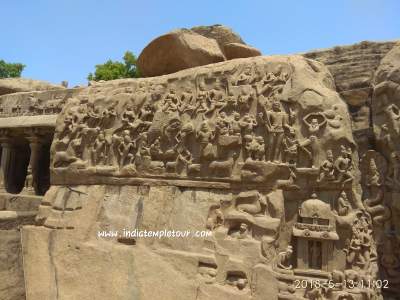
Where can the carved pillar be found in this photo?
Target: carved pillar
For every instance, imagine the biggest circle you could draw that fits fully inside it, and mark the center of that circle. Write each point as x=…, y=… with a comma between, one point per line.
x=31, y=181
x=6, y=159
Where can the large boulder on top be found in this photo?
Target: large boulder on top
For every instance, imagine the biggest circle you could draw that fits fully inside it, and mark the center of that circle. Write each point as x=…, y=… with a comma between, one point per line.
x=16, y=85
x=186, y=48
x=236, y=50
x=222, y=34
x=231, y=44
x=178, y=50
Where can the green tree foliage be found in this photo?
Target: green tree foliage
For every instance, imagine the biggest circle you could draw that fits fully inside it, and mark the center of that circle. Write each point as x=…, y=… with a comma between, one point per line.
x=116, y=69
x=10, y=70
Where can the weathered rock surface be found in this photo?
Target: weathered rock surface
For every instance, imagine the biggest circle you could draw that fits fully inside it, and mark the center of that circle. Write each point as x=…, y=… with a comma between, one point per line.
x=16, y=85
x=353, y=69
x=178, y=50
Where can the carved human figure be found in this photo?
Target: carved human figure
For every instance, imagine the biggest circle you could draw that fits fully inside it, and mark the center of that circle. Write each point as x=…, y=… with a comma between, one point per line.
x=314, y=122
x=242, y=233
x=128, y=116
x=255, y=147
x=343, y=204
x=244, y=101
x=267, y=82
x=290, y=146
x=245, y=76
x=387, y=138
x=108, y=117
x=155, y=150
x=216, y=101
x=93, y=115
x=99, y=150
x=344, y=166
x=393, y=177
x=248, y=123
x=147, y=112
x=215, y=218
x=222, y=124
x=359, y=250
x=354, y=252
x=393, y=115
x=373, y=175
x=201, y=103
x=171, y=102
x=327, y=168
x=205, y=136
x=275, y=121
x=126, y=150
x=234, y=125
x=67, y=127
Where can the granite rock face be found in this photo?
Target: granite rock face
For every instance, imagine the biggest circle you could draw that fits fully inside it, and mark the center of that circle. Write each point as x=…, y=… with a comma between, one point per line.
x=258, y=152
x=16, y=85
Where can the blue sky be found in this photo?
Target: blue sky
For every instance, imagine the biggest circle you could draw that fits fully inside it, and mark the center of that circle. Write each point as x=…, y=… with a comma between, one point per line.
x=64, y=39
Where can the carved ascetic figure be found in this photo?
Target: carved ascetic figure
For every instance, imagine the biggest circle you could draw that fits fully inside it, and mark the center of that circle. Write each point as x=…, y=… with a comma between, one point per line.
x=314, y=122
x=284, y=259
x=344, y=206
x=275, y=121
